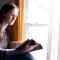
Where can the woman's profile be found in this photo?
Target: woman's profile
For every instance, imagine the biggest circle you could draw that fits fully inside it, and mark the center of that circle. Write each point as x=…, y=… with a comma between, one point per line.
x=8, y=14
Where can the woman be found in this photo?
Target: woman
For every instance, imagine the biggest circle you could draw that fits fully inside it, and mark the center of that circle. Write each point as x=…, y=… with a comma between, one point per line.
x=8, y=15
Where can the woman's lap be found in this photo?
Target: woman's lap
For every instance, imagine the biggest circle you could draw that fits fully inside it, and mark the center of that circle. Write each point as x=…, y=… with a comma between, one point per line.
x=23, y=56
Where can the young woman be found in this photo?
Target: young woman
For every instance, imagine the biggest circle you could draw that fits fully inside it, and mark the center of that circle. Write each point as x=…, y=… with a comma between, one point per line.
x=8, y=15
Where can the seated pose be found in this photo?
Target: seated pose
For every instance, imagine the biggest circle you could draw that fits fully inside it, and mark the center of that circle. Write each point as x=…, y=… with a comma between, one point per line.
x=8, y=15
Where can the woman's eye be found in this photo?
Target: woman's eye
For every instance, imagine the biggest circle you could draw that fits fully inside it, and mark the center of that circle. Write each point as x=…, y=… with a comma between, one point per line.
x=13, y=17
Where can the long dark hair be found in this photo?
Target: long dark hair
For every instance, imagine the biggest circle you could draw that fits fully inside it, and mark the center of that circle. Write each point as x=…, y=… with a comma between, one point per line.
x=6, y=8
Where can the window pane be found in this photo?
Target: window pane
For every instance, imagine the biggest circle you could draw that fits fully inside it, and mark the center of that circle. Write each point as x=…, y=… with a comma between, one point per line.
x=40, y=34
x=38, y=11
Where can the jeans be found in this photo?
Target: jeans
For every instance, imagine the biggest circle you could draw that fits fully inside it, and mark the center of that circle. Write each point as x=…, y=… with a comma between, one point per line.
x=20, y=56
x=23, y=56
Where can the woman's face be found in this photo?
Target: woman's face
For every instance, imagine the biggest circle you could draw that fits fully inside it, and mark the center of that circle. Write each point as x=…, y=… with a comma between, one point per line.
x=11, y=16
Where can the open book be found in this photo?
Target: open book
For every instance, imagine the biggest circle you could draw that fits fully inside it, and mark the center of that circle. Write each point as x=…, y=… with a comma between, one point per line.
x=29, y=45
x=26, y=46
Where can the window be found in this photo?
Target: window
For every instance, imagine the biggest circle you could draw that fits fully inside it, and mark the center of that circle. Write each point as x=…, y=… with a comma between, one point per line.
x=36, y=25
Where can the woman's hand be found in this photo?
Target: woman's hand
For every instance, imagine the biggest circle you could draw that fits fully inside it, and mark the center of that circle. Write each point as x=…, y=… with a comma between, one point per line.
x=29, y=45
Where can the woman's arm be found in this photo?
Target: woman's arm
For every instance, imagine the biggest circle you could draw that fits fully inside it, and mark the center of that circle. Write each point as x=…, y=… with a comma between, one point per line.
x=26, y=46
x=12, y=51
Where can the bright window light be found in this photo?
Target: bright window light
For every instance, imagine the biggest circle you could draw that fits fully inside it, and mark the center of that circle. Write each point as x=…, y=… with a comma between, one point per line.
x=36, y=24
x=37, y=14
x=40, y=35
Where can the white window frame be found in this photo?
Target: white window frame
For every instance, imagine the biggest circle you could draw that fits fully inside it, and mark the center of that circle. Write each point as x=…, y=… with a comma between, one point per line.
x=53, y=45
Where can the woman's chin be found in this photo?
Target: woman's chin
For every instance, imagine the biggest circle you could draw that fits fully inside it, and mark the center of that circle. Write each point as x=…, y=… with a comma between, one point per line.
x=11, y=24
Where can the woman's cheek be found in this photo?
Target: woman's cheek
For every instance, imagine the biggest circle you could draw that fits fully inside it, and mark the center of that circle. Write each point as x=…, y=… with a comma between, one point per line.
x=12, y=22
x=9, y=18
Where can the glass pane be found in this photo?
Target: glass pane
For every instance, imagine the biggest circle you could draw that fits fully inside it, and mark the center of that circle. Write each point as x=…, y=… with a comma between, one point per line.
x=44, y=4
x=40, y=34
x=38, y=11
